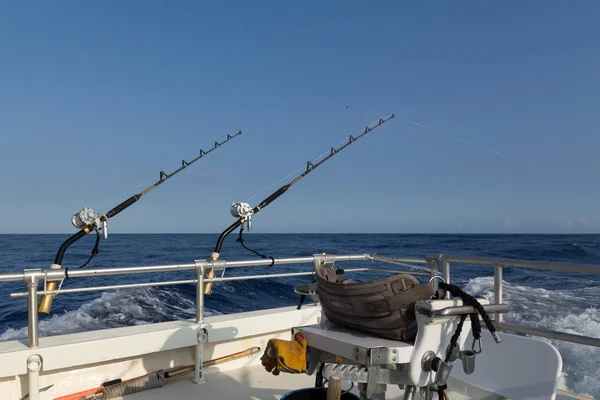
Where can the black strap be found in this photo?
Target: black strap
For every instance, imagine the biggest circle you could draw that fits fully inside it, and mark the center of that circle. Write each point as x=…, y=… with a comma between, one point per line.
x=475, y=324
x=470, y=301
x=240, y=239
x=455, y=337
x=95, y=250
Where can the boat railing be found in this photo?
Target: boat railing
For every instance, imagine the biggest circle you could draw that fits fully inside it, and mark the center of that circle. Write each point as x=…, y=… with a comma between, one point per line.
x=432, y=264
x=499, y=264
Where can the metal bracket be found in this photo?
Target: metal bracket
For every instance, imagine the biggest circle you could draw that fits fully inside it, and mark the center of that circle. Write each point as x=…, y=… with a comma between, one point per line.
x=322, y=259
x=202, y=336
x=375, y=357
x=383, y=355
x=372, y=379
x=427, y=360
x=361, y=374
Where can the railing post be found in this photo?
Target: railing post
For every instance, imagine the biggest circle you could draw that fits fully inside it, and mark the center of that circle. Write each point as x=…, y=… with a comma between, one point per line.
x=34, y=362
x=32, y=279
x=434, y=264
x=202, y=336
x=446, y=276
x=200, y=294
x=498, y=286
x=34, y=365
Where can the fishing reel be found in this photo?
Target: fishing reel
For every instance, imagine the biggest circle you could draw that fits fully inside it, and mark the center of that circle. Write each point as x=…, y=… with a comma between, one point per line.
x=243, y=211
x=87, y=216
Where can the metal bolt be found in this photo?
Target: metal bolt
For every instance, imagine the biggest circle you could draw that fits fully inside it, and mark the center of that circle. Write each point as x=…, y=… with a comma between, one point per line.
x=394, y=351
x=394, y=359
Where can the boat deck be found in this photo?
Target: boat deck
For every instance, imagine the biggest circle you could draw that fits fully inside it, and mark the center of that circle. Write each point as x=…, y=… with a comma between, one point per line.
x=254, y=383
x=251, y=383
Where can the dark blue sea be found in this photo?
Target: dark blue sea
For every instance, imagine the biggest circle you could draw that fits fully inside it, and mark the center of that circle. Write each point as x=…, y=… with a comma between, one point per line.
x=559, y=301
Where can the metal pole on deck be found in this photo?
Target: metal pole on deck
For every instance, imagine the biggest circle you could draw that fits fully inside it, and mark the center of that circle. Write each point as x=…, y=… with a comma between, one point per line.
x=34, y=362
x=202, y=337
x=446, y=276
x=31, y=279
x=498, y=286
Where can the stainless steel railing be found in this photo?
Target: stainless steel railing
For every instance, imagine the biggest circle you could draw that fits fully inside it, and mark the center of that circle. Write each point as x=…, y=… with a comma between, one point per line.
x=498, y=264
x=33, y=277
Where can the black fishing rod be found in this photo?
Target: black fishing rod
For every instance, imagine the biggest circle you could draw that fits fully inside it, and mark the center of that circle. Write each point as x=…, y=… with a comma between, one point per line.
x=88, y=220
x=244, y=212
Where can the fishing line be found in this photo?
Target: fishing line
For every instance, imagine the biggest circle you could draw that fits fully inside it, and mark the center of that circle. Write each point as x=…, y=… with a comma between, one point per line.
x=139, y=184
x=125, y=192
x=454, y=137
x=489, y=149
x=328, y=95
x=299, y=169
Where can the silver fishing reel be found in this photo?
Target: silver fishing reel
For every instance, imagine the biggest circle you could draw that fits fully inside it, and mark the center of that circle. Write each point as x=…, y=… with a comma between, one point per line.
x=87, y=216
x=243, y=211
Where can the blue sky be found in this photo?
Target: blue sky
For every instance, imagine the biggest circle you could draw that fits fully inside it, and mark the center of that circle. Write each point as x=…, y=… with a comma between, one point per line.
x=96, y=98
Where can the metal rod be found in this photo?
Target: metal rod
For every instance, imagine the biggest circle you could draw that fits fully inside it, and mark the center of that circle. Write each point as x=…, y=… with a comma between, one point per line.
x=130, y=270
x=544, y=265
x=393, y=271
x=59, y=274
x=32, y=315
x=108, y=287
x=56, y=275
x=567, y=337
x=250, y=277
x=263, y=262
x=446, y=276
x=393, y=260
x=200, y=294
x=34, y=364
x=17, y=276
x=199, y=356
x=460, y=310
x=498, y=288
x=191, y=281
x=434, y=264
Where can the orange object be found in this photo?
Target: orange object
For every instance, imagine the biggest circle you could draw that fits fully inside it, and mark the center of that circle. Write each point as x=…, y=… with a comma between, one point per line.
x=79, y=395
x=285, y=355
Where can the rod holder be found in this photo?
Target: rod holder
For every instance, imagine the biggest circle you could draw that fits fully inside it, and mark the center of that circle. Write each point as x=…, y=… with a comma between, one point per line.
x=468, y=361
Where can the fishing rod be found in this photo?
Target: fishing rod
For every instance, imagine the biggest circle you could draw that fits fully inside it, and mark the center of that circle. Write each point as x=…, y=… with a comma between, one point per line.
x=244, y=212
x=87, y=220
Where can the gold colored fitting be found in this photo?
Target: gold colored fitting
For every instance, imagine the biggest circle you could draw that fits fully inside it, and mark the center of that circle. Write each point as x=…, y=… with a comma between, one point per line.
x=46, y=301
x=210, y=273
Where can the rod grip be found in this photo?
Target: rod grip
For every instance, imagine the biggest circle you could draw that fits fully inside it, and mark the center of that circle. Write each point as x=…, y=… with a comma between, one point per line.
x=272, y=197
x=123, y=205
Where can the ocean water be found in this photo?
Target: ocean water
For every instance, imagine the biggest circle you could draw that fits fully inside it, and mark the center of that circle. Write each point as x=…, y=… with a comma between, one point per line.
x=559, y=301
